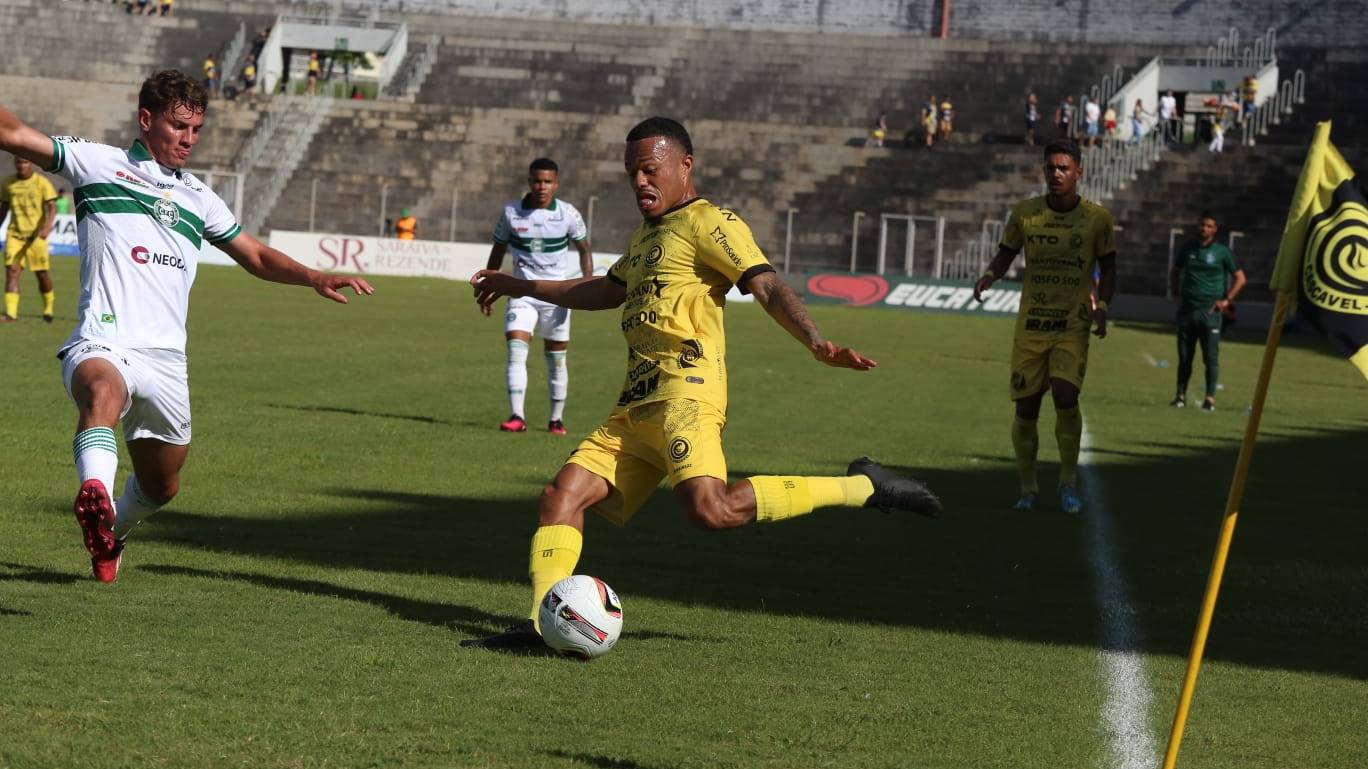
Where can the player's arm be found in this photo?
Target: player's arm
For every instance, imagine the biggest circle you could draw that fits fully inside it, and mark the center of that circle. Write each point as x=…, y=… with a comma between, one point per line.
x=19, y=139
x=586, y=257
x=789, y=312
x=267, y=263
x=996, y=269
x=1106, y=289
x=496, y=256
x=49, y=219
x=589, y=293
x=1236, y=286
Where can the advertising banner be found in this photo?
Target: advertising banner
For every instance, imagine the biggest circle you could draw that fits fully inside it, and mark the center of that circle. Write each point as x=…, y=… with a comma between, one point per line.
x=910, y=293
x=62, y=240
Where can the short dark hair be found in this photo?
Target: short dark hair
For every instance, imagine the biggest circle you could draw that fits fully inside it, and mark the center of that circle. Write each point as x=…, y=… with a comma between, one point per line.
x=172, y=88
x=1208, y=215
x=652, y=127
x=543, y=164
x=1064, y=147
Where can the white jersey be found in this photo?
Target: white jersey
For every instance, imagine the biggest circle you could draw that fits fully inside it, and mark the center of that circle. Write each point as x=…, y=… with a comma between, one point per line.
x=141, y=228
x=539, y=238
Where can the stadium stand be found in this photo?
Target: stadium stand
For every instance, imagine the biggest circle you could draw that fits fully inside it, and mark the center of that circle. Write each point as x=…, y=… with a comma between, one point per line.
x=779, y=99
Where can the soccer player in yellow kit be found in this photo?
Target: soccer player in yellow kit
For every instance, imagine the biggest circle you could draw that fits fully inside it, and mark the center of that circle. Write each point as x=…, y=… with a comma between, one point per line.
x=671, y=283
x=1064, y=237
x=32, y=204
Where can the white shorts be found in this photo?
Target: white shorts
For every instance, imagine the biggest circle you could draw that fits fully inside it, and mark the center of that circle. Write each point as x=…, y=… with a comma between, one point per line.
x=549, y=321
x=158, y=402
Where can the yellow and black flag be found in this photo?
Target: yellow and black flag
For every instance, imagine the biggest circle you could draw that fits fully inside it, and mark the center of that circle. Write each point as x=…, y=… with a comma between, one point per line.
x=1324, y=253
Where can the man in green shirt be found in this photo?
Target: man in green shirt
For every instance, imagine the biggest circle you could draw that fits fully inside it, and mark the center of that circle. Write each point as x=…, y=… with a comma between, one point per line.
x=1198, y=279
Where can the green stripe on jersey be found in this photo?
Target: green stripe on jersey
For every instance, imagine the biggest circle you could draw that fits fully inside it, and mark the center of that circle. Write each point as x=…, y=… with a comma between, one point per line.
x=225, y=237
x=110, y=190
x=119, y=200
x=58, y=157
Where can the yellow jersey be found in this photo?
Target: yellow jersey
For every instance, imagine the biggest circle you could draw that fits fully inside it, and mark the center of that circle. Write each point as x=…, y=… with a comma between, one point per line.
x=677, y=271
x=1061, y=251
x=27, y=199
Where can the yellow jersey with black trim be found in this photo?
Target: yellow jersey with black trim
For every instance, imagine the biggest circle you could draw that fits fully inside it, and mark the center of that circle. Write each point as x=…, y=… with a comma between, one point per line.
x=1062, y=248
x=677, y=272
x=27, y=199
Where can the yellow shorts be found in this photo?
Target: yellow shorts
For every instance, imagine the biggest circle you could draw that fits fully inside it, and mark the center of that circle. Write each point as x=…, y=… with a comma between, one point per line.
x=32, y=254
x=1036, y=361
x=679, y=439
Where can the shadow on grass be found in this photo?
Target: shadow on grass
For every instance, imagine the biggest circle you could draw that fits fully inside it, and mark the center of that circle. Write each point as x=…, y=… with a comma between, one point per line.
x=13, y=613
x=21, y=572
x=1295, y=596
x=592, y=759
x=360, y=413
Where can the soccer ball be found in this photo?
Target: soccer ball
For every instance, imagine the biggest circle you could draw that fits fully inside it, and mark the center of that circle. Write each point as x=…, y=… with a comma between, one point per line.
x=581, y=616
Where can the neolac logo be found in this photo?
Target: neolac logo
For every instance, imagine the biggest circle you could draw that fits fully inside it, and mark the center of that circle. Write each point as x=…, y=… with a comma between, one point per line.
x=142, y=256
x=1335, y=269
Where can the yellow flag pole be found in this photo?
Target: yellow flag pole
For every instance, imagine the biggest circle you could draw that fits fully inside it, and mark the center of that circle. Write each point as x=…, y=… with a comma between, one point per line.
x=1232, y=513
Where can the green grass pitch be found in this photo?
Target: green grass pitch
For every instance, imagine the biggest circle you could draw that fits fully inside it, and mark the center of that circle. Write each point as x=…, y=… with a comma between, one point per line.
x=349, y=513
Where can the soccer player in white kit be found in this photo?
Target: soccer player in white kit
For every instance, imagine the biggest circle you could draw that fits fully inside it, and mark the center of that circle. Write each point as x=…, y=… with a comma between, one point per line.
x=539, y=230
x=141, y=222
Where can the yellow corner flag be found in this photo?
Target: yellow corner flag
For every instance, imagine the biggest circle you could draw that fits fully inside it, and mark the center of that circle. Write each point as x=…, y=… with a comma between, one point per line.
x=1323, y=257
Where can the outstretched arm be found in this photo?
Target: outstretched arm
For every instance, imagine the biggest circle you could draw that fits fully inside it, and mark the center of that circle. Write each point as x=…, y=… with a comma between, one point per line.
x=267, y=263
x=496, y=256
x=19, y=139
x=789, y=312
x=591, y=293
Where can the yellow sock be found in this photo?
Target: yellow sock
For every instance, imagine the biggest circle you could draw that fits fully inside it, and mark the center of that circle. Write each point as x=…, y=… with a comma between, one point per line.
x=12, y=304
x=1069, y=435
x=49, y=299
x=786, y=496
x=555, y=551
x=1026, y=442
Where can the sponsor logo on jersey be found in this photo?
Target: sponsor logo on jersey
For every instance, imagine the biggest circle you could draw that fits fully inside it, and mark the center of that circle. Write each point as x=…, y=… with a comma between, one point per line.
x=654, y=256
x=142, y=256
x=130, y=178
x=167, y=213
x=720, y=238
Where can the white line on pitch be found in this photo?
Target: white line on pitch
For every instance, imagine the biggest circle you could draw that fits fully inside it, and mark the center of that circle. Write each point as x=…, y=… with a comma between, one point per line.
x=1125, y=714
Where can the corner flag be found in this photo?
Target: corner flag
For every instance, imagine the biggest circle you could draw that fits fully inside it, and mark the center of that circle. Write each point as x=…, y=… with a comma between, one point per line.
x=1323, y=257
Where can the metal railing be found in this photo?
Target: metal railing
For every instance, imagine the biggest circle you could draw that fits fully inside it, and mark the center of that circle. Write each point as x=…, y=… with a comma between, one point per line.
x=1292, y=91
x=1227, y=50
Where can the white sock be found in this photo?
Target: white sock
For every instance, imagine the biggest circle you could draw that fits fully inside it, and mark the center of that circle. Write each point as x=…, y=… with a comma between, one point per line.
x=517, y=375
x=557, y=382
x=132, y=507
x=97, y=455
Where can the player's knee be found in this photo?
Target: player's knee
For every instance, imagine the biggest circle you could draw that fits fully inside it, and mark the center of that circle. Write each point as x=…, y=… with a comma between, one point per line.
x=160, y=490
x=101, y=394
x=555, y=506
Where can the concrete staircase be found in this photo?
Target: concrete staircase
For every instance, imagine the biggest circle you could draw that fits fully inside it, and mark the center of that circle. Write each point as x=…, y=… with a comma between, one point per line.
x=280, y=143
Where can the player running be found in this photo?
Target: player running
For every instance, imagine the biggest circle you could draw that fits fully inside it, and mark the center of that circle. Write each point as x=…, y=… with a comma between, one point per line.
x=31, y=202
x=671, y=283
x=539, y=229
x=141, y=221
x=1064, y=236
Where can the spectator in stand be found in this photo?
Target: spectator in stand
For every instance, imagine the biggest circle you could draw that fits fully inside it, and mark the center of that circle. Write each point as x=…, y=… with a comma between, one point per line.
x=167, y=7
x=210, y=73
x=947, y=118
x=356, y=94
x=1217, y=136
x=928, y=121
x=1109, y=125
x=1138, y=115
x=1064, y=115
x=1168, y=116
x=315, y=69
x=1032, y=117
x=1249, y=90
x=407, y=226
x=1092, y=117
x=249, y=76
x=879, y=132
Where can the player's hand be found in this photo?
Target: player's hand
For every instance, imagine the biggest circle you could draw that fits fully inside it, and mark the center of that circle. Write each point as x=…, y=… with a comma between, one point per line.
x=983, y=284
x=490, y=285
x=835, y=355
x=1100, y=318
x=327, y=286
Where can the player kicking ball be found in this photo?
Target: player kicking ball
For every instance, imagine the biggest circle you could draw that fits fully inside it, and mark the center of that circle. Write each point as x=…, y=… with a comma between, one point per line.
x=539, y=230
x=1064, y=237
x=671, y=284
x=142, y=221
